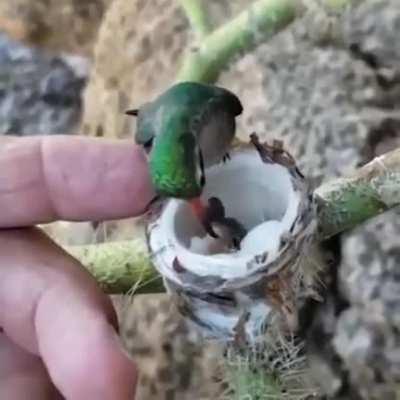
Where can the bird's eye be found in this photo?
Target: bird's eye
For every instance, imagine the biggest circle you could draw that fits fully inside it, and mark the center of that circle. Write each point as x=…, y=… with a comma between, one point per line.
x=202, y=180
x=148, y=145
x=201, y=177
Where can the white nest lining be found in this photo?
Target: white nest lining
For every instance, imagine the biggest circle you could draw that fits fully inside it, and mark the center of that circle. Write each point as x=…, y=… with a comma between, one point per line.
x=259, y=195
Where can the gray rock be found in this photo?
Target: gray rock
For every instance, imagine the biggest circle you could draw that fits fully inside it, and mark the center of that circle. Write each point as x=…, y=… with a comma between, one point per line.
x=336, y=104
x=320, y=108
x=367, y=335
x=39, y=93
x=371, y=32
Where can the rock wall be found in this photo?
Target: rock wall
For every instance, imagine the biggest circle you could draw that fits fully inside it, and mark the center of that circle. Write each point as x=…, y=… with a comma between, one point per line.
x=57, y=25
x=39, y=93
x=336, y=105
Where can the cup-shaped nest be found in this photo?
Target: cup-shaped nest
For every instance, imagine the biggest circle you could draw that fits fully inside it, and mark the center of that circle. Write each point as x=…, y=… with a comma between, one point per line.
x=235, y=293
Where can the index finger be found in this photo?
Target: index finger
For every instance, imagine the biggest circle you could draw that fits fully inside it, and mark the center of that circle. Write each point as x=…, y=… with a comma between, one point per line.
x=71, y=178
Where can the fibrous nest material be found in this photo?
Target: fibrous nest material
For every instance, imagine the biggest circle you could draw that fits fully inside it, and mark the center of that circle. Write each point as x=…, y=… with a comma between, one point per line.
x=231, y=293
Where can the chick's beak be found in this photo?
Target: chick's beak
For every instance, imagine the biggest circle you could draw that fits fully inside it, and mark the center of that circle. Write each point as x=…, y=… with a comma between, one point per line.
x=216, y=224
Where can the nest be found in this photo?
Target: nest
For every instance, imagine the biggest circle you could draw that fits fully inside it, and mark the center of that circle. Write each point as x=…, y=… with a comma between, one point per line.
x=233, y=294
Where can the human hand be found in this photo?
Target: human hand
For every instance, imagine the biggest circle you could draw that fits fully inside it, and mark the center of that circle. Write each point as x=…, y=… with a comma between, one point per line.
x=58, y=338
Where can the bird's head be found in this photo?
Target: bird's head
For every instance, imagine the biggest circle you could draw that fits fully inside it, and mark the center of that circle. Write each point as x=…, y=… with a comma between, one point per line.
x=145, y=129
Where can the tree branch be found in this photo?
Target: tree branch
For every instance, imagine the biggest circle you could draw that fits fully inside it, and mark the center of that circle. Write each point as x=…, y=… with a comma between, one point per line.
x=346, y=202
x=120, y=266
x=257, y=24
x=262, y=20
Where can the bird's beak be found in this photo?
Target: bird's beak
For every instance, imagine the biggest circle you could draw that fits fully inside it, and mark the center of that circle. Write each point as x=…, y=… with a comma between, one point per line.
x=200, y=210
x=132, y=112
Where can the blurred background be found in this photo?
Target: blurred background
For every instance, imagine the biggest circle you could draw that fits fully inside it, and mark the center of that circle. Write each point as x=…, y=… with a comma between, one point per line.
x=328, y=85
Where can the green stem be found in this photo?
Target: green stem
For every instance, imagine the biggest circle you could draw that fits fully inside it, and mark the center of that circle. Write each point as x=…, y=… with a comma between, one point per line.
x=262, y=20
x=346, y=202
x=197, y=15
x=120, y=266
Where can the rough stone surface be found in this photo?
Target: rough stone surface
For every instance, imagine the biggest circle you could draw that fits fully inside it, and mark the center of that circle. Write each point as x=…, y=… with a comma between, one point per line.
x=371, y=31
x=253, y=76
x=317, y=95
x=316, y=101
x=355, y=336
x=57, y=25
x=173, y=362
x=367, y=334
x=132, y=62
x=39, y=93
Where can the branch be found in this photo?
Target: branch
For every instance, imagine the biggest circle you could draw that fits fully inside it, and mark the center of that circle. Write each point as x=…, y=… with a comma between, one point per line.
x=346, y=202
x=262, y=20
x=197, y=15
x=120, y=266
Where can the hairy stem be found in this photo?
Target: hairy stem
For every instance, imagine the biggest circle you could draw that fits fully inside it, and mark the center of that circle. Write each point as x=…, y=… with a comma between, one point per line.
x=346, y=202
x=120, y=266
x=196, y=13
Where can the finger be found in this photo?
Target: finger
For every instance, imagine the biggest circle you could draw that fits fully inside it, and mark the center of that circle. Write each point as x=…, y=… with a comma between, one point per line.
x=51, y=306
x=70, y=178
x=23, y=375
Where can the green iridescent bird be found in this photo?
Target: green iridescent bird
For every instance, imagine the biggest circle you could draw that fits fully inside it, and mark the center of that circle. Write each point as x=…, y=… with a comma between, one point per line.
x=188, y=127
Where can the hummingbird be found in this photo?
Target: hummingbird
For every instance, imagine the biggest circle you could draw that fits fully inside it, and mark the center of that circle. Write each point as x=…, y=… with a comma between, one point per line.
x=184, y=130
x=229, y=230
